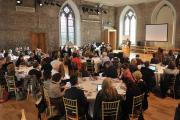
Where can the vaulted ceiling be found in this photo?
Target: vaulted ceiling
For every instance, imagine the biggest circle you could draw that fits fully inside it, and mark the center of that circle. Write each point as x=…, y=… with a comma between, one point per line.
x=117, y=3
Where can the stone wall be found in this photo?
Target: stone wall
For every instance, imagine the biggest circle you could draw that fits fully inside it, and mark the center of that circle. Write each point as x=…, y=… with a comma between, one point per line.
x=144, y=12
x=16, y=27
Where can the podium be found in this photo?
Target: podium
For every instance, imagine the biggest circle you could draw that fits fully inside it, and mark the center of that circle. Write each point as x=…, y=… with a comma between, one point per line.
x=126, y=50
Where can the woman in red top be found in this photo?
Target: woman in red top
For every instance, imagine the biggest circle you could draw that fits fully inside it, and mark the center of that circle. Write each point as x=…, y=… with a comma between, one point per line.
x=76, y=60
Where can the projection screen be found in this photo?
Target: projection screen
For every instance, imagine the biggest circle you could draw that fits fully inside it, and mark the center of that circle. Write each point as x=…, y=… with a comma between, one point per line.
x=157, y=32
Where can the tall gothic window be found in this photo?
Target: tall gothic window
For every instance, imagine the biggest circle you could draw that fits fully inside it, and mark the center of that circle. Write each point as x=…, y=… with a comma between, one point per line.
x=67, y=25
x=129, y=26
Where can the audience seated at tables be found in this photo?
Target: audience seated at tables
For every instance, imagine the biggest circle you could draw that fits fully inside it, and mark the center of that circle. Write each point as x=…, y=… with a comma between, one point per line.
x=148, y=76
x=107, y=94
x=20, y=61
x=75, y=93
x=56, y=92
x=142, y=86
x=126, y=73
x=109, y=70
x=133, y=65
x=154, y=60
x=132, y=90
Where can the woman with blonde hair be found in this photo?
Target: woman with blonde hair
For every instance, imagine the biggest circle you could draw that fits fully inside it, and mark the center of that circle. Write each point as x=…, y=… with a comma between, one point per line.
x=142, y=86
x=108, y=94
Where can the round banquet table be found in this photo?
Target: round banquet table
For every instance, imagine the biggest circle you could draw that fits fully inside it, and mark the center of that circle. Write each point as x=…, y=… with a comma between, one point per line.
x=22, y=71
x=89, y=85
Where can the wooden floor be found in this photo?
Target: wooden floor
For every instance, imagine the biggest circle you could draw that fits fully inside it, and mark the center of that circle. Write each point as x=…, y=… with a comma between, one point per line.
x=159, y=109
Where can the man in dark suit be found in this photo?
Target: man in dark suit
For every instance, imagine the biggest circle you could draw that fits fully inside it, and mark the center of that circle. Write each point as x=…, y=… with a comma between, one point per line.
x=76, y=93
x=110, y=70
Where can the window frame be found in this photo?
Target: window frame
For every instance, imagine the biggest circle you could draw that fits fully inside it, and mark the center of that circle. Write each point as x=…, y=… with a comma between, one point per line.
x=67, y=23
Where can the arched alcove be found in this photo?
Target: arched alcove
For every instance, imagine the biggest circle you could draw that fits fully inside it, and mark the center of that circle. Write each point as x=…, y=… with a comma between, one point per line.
x=165, y=12
x=122, y=21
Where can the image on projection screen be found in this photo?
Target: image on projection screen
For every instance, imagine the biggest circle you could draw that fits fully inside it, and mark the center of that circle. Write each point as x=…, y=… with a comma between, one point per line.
x=157, y=32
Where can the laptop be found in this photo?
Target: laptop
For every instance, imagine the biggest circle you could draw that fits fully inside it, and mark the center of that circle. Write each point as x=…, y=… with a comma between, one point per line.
x=99, y=87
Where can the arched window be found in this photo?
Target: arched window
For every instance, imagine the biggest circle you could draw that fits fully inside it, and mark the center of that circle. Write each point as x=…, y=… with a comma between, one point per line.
x=67, y=25
x=129, y=26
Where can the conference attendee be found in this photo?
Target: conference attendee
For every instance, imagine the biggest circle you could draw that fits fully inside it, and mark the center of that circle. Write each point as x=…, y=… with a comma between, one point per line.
x=104, y=58
x=76, y=60
x=27, y=51
x=17, y=51
x=170, y=72
x=132, y=91
x=7, y=62
x=2, y=72
x=75, y=93
x=139, y=60
x=83, y=71
x=46, y=64
x=143, y=87
x=126, y=73
x=46, y=79
x=2, y=53
x=56, y=92
x=37, y=55
x=133, y=65
x=109, y=70
x=160, y=54
x=31, y=59
x=20, y=61
x=148, y=76
x=171, y=55
x=35, y=71
x=107, y=94
x=154, y=59
x=57, y=67
x=171, y=69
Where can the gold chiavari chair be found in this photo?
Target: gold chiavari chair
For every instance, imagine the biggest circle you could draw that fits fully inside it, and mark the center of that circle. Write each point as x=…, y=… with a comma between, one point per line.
x=71, y=109
x=47, y=98
x=23, y=116
x=137, y=106
x=11, y=84
x=110, y=110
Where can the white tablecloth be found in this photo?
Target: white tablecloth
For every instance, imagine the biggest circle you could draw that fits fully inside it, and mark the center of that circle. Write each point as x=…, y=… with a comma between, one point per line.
x=22, y=71
x=158, y=73
x=90, y=86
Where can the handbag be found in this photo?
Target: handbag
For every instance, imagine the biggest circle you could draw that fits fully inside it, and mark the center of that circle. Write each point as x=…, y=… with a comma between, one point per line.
x=41, y=106
x=4, y=95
